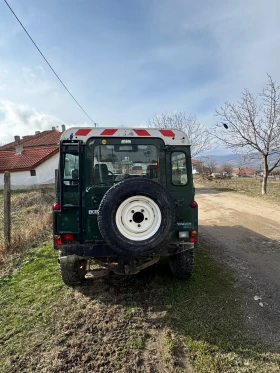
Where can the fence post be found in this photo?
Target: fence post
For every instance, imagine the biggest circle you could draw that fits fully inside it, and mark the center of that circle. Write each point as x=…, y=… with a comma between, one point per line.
x=7, y=209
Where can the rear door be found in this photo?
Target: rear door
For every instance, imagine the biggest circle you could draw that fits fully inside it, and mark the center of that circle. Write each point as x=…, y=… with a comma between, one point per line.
x=69, y=220
x=180, y=186
x=110, y=160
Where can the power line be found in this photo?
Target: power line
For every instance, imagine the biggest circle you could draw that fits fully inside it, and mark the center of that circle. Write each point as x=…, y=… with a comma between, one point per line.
x=95, y=124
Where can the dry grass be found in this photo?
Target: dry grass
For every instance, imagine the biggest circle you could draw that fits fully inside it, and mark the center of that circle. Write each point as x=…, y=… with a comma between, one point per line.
x=246, y=185
x=31, y=222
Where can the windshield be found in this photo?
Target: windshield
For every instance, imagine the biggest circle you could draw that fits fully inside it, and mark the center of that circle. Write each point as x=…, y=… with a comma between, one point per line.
x=112, y=163
x=136, y=168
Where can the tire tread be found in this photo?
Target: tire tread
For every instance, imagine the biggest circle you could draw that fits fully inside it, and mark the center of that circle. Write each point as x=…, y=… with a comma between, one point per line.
x=182, y=264
x=69, y=272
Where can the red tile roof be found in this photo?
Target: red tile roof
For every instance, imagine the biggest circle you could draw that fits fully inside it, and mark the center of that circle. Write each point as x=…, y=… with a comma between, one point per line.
x=29, y=159
x=196, y=161
x=246, y=171
x=44, y=138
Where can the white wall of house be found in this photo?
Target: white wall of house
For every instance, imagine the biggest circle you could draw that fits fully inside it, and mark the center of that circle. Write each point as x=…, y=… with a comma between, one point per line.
x=194, y=170
x=45, y=173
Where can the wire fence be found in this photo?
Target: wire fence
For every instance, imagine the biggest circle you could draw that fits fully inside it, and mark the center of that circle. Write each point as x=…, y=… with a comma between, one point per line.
x=28, y=219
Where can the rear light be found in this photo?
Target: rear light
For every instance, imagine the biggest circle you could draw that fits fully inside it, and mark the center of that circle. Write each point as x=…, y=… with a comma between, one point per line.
x=193, y=233
x=193, y=204
x=56, y=206
x=68, y=237
x=193, y=239
x=57, y=239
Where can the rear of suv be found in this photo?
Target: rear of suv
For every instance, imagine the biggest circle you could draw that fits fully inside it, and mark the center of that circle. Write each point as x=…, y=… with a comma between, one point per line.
x=107, y=217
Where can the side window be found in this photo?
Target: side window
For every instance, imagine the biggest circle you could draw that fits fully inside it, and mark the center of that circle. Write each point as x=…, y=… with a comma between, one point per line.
x=71, y=168
x=179, y=168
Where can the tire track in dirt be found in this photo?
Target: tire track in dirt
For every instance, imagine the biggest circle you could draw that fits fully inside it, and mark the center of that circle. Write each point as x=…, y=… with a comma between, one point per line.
x=244, y=232
x=113, y=324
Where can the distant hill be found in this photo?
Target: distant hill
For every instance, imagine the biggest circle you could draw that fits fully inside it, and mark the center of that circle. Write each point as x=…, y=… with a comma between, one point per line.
x=237, y=160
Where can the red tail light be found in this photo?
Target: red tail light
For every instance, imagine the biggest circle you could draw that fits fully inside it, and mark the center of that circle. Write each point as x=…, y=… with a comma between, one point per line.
x=56, y=206
x=193, y=204
x=193, y=239
x=68, y=237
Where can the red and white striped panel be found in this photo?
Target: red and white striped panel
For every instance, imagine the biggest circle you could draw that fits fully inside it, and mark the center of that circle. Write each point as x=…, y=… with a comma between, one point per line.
x=169, y=136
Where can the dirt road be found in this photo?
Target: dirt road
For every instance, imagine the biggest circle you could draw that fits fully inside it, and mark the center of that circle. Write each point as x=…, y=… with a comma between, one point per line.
x=244, y=232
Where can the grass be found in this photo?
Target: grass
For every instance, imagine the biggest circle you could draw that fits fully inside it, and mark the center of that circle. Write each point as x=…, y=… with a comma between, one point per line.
x=47, y=327
x=248, y=186
x=30, y=222
x=149, y=322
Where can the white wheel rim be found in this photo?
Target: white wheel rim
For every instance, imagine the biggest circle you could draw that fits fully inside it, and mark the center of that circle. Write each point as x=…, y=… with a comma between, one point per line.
x=138, y=218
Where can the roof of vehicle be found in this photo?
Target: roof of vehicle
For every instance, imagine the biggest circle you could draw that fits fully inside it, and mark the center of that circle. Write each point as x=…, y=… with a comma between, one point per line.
x=169, y=136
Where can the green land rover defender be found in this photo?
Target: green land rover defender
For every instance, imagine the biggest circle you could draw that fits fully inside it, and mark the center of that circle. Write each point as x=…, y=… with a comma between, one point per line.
x=125, y=197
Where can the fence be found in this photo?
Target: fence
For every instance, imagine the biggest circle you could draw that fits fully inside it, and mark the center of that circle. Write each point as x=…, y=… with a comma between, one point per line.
x=25, y=216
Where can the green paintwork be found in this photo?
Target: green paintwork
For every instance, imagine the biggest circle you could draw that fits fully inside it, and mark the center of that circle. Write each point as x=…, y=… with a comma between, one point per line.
x=68, y=220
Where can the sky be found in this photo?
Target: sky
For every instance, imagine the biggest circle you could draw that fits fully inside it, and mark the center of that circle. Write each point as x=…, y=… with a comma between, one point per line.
x=125, y=61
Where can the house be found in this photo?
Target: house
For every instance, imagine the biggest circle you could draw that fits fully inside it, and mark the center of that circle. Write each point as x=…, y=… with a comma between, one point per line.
x=244, y=172
x=32, y=159
x=196, y=166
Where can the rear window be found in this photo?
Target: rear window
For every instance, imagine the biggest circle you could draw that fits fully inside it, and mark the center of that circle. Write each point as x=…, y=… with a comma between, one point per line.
x=113, y=163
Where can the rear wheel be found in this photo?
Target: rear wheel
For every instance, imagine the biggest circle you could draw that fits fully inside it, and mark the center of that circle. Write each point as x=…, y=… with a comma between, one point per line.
x=181, y=264
x=72, y=269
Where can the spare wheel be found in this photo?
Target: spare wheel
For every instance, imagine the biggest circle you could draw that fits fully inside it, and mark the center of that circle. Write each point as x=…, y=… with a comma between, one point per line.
x=136, y=216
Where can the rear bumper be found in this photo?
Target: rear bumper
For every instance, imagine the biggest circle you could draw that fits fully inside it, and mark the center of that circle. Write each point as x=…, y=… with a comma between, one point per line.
x=101, y=249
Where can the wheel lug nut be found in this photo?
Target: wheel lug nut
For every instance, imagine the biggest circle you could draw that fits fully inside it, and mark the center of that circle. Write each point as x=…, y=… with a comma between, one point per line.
x=139, y=225
x=146, y=218
x=132, y=211
x=142, y=210
x=130, y=221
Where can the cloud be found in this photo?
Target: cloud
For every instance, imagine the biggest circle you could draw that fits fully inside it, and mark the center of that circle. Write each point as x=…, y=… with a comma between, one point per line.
x=36, y=82
x=41, y=69
x=3, y=80
x=240, y=38
x=3, y=87
x=174, y=55
x=28, y=75
x=22, y=119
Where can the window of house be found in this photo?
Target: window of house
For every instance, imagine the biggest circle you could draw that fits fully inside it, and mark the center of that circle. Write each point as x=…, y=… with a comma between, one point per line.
x=32, y=172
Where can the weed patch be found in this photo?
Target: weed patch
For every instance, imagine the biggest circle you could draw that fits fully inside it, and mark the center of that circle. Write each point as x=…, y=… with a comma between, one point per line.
x=248, y=186
x=31, y=223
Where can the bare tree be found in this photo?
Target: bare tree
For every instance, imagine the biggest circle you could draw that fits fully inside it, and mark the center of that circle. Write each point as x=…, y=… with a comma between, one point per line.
x=252, y=128
x=196, y=132
x=227, y=167
x=210, y=163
